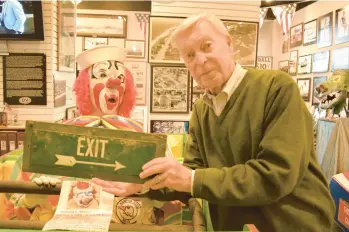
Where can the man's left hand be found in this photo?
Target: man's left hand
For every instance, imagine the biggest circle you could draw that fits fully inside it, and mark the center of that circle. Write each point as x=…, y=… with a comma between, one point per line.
x=169, y=173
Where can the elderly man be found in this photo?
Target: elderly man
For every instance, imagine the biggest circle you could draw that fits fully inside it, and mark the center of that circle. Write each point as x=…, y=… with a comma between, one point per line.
x=250, y=152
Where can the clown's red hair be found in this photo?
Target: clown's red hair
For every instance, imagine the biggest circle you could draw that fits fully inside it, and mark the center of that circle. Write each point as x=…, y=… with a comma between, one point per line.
x=83, y=99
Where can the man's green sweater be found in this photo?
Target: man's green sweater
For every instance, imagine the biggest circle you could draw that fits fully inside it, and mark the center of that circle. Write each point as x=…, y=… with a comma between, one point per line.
x=255, y=162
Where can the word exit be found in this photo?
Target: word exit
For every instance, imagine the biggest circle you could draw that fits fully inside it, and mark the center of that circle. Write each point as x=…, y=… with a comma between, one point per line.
x=91, y=147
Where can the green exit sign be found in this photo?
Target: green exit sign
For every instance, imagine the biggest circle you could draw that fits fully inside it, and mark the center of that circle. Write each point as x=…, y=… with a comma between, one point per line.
x=86, y=152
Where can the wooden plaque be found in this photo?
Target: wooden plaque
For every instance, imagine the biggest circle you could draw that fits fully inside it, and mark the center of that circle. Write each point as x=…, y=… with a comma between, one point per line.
x=86, y=152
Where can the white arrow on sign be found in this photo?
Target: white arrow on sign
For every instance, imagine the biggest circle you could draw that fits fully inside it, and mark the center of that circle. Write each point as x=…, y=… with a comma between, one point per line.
x=71, y=161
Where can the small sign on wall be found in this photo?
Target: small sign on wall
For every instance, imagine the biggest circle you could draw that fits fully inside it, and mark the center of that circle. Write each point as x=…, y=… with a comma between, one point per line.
x=264, y=62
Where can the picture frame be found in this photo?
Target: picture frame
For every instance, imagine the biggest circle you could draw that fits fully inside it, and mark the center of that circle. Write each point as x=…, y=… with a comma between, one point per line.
x=169, y=127
x=296, y=35
x=60, y=97
x=284, y=66
x=325, y=30
x=340, y=58
x=304, y=64
x=304, y=85
x=310, y=33
x=140, y=114
x=321, y=62
x=169, y=89
x=196, y=93
x=341, y=25
x=316, y=82
x=71, y=112
x=286, y=43
x=101, y=25
x=293, y=61
x=264, y=62
x=92, y=42
x=139, y=70
x=160, y=49
x=244, y=35
x=66, y=36
x=135, y=48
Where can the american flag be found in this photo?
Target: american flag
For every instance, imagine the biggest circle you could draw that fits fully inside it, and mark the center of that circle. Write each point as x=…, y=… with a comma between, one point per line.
x=143, y=20
x=284, y=15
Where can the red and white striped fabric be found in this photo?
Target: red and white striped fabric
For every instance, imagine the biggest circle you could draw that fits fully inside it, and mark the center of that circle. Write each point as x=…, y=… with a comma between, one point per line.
x=143, y=20
x=284, y=15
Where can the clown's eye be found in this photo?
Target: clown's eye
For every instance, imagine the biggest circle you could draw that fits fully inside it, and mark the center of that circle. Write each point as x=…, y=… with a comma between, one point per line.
x=103, y=75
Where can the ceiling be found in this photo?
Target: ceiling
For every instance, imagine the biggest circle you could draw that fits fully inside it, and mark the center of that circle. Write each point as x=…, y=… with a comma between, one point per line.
x=270, y=15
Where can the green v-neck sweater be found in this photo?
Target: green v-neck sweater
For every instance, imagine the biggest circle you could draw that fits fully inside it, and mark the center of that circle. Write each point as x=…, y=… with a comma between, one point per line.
x=255, y=163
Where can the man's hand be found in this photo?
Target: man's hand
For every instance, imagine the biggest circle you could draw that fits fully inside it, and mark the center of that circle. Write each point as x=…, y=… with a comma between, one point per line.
x=169, y=173
x=119, y=189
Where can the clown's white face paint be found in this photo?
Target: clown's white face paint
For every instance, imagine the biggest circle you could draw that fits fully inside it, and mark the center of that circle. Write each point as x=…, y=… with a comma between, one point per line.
x=107, y=86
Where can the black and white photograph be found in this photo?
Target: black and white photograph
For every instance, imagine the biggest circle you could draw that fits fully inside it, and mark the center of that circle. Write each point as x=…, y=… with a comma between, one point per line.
x=321, y=62
x=244, y=37
x=169, y=89
x=304, y=87
x=340, y=58
x=286, y=43
x=325, y=30
x=196, y=92
x=317, y=81
x=60, y=93
x=160, y=48
x=304, y=64
x=296, y=36
x=264, y=62
x=284, y=66
x=92, y=42
x=72, y=112
x=342, y=25
x=310, y=33
x=293, y=63
x=135, y=48
x=169, y=127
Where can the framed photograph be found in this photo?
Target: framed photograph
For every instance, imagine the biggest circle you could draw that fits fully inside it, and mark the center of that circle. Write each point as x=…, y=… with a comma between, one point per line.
x=310, y=33
x=342, y=25
x=340, y=58
x=321, y=62
x=284, y=66
x=304, y=87
x=100, y=25
x=317, y=81
x=196, y=92
x=286, y=43
x=293, y=63
x=169, y=127
x=245, y=39
x=72, y=112
x=264, y=62
x=92, y=42
x=325, y=30
x=296, y=36
x=140, y=114
x=304, y=64
x=59, y=93
x=135, y=48
x=160, y=48
x=66, y=36
x=139, y=72
x=169, y=89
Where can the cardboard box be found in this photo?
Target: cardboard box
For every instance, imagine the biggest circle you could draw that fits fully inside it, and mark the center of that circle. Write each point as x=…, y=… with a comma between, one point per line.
x=339, y=187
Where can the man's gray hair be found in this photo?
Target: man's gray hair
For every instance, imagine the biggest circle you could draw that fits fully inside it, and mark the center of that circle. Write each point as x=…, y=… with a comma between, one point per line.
x=190, y=21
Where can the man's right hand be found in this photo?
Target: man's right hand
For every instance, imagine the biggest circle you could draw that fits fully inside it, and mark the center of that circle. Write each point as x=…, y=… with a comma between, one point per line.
x=120, y=189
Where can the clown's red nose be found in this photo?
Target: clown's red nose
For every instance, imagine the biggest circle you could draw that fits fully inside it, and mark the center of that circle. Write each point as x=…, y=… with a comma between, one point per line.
x=113, y=82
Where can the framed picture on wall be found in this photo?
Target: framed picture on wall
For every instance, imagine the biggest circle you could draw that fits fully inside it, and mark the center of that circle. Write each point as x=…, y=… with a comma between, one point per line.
x=296, y=35
x=169, y=89
x=160, y=48
x=135, y=48
x=317, y=81
x=284, y=66
x=196, y=92
x=286, y=43
x=310, y=33
x=72, y=112
x=244, y=36
x=92, y=42
x=342, y=25
x=169, y=127
x=304, y=64
x=325, y=30
x=293, y=63
x=304, y=87
x=340, y=58
x=139, y=72
x=140, y=114
x=101, y=25
x=264, y=62
x=60, y=88
x=321, y=62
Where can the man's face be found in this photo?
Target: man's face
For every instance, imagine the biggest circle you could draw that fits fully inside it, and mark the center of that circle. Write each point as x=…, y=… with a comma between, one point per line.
x=207, y=54
x=107, y=86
